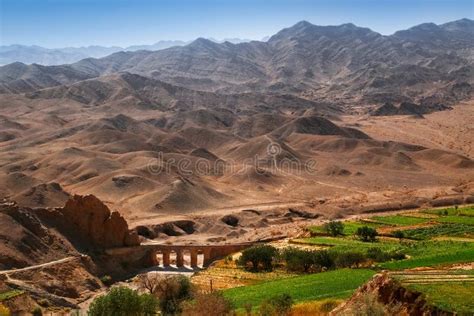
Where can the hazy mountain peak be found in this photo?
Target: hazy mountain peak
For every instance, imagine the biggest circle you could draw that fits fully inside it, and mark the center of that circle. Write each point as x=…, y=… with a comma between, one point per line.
x=459, y=25
x=302, y=24
x=203, y=42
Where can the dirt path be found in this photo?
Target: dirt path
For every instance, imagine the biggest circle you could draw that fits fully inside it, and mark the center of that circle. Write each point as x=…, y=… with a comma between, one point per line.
x=47, y=264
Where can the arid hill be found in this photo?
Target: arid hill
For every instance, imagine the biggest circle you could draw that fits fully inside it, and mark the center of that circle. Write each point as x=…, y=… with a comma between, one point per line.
x=349, y=64
x=314, y=113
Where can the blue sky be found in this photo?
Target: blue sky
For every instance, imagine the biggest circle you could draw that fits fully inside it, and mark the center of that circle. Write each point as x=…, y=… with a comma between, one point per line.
x=60, y=23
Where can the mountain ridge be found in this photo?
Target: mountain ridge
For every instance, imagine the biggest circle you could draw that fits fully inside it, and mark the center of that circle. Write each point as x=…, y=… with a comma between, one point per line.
x=343, y=63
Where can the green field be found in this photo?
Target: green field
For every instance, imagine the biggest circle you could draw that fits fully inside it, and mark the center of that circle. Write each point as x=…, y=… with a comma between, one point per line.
x=466, y=220
x=349, y=227
x=348, y=243
x=400, y=220
x=452, y=230
x=332, y=284
x=444, y=237
x=433, y=253
x=420, y=254
x=419, y=244
x=461, y=211
x=454, y=297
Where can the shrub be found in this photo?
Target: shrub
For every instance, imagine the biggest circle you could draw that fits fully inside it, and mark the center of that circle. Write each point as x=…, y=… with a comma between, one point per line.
x=348, y=259
x=122, y=301
x=4, y=311
x=277, y=305
x=366, y=233
x=334, y=228
x=258, y=258
x=282, y=303
x=323, y=259
x=211, y=304
x=298, y=260
x=398, y=234
x=106, y=279
x=149, y=281
x=322, y=307
x=378, y=255
x=37, y=312
x=172, y=291
x=266, y=309
x=328, y=305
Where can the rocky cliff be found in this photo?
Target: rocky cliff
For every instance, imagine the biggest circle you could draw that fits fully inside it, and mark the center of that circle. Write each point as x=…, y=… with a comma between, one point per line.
x=94, y=223
x=397, y=299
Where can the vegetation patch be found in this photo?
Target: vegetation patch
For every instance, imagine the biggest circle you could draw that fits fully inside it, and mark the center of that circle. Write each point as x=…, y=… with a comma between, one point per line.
x=400, y=220
x=337, y=284
x=466, y=220
x=348, y=243
x=349, y=227
x=454, y=230
x=10, y=294
x=452, y=211
x=432, y=253
x=449, y=296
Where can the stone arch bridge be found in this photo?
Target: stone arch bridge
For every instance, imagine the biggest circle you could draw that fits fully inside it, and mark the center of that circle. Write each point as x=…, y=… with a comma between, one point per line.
x=149, y=253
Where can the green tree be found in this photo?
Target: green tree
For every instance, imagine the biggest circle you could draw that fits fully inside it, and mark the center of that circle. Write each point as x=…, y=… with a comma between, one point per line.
x=172, y=291
x=399, y=234
x=366, y=233
x=334, y=228
x=323, y=259
x=298, y=260
x=349, y=259
x=258, y=258
x=122, y=301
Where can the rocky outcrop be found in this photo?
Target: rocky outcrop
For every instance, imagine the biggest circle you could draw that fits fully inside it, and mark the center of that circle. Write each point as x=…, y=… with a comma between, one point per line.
x=93, y=220
x=25, y=240
x=391, y=293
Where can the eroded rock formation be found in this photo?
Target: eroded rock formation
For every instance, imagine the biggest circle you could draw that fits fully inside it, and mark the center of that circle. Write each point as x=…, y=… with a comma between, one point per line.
x=94, y=221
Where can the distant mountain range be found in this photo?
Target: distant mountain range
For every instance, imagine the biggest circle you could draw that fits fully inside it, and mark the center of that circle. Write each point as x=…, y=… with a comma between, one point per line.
x=343, y=64
x=58, y=56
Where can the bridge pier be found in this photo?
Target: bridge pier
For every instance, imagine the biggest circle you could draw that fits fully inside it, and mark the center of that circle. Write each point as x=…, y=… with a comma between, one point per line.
x=166, y=258
x=194, y=258
x=207, y=257
x=179, y=258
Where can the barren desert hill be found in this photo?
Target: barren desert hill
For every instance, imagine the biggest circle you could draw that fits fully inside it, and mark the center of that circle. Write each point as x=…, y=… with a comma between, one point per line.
x=345, y=63
x=210, y=126
x=144, y=162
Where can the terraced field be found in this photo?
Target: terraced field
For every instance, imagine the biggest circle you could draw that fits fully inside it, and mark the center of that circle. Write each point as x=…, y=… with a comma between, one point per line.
x=333, y=284
x=450, y=290
x=432, y=239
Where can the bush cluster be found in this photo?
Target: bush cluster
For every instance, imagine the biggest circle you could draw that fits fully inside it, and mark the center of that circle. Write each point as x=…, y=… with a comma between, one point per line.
x=279, y=305
x=122, y=301
x=166, y=295
x=334, y=228
x=306, y=261
x=258, y=258
x=366, y=233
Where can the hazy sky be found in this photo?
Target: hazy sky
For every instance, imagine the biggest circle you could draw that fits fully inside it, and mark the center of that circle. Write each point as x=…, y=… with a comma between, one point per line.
x=59, y=23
